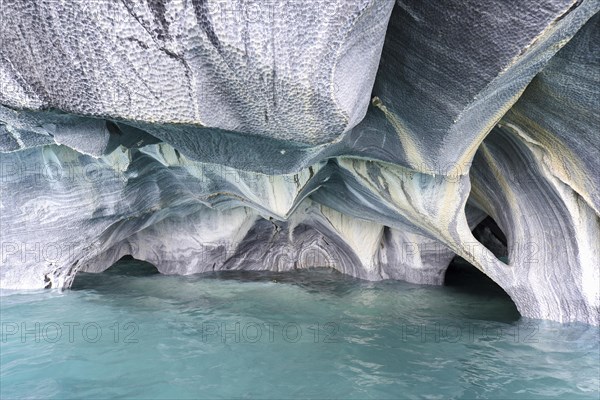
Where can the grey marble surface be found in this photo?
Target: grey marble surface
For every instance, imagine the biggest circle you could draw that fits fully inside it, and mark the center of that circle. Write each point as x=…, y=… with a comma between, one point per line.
x=367, y=136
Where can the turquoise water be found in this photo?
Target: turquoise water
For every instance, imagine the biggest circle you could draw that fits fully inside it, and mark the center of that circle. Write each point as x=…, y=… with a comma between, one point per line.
x=128, y=333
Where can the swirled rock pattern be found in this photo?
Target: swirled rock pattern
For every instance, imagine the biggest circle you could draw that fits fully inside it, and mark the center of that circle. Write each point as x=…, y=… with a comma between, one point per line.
x=368, y=136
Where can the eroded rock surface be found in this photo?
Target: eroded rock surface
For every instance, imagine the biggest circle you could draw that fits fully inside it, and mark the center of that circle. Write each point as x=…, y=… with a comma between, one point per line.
x=367, y=136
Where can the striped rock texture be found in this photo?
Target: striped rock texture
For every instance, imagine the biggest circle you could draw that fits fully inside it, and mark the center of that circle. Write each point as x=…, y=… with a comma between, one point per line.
x=368, y=136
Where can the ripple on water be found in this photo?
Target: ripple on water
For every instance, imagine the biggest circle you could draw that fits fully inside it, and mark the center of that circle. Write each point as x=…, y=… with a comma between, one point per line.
x=307, y=334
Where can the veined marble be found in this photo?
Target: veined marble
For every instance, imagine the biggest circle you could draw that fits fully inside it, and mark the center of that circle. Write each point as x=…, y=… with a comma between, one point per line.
x=367, y=136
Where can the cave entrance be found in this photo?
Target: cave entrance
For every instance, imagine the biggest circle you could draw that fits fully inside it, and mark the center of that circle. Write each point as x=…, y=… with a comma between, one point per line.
x=461, y=273
x=129, y=266
x=125, y=267
x=470, y=283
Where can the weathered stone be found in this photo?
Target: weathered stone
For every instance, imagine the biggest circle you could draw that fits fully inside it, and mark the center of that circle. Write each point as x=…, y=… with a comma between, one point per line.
x=211, y=135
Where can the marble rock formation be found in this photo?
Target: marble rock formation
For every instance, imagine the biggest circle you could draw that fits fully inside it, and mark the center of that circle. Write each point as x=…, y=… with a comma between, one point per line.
x=368, y=136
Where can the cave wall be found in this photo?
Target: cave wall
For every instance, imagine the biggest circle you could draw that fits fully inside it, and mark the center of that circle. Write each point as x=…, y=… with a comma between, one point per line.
x=371, y=137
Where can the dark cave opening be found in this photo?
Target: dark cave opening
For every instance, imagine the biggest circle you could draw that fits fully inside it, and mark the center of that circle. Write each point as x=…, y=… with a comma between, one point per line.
x=465, y=276
x=126, y=266
x=466, y=279
x=461, y=273
x=129, y=266
x=488, y=233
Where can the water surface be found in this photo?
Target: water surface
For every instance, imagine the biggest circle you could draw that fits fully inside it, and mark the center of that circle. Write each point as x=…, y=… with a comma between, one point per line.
x=129, y=333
